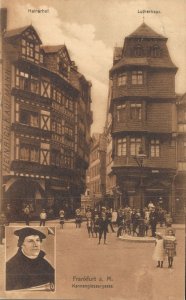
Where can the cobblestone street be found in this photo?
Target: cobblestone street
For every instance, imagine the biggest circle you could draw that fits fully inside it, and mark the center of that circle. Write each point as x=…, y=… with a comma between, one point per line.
x=125, y=270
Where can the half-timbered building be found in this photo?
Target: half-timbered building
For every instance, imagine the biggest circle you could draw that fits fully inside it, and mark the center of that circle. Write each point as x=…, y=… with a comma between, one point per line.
x=45, y=101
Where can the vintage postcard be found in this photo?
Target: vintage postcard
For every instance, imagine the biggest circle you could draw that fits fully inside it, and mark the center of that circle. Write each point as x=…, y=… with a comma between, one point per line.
x=92, y=149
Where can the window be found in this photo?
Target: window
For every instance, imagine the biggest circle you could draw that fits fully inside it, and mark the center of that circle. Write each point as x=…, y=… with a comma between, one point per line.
x=182, y=115
x=63, y=66
x=29, y=118
x=56, y=157
x=57, y=127
x=155, y=51
x=71, y=105
x=138, y=51
x=137, y=77
x=24, y=152
x=22, y=80
x=30, y=50
x=34, y=154
x=34, y=85
x=68, y=159
x=34, y=119
x=27, y=82
x=135, y=111
x=121, y=112
x=122, y=79
x=155, y=148
x=122, y=147
x=29, y=152
x=135, y=144
x=68, y=131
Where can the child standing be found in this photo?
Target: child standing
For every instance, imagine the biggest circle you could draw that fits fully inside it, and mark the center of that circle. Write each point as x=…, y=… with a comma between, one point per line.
x=170, y=246
x=43, y=217
x=90, y=227
x=159, y=253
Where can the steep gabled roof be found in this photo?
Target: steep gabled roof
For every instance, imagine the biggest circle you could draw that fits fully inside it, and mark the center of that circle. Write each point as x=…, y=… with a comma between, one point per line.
x=144, y=61
x=144, y=31
x=49, y=49
x=52, y=48
x=14, y=33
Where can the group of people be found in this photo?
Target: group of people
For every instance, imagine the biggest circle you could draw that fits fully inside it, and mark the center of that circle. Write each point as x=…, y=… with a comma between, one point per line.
x=98, y=223
x=128, y=221
x=42, y=215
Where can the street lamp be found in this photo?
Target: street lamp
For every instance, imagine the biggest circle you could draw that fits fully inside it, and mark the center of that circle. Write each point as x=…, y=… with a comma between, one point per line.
x=139, y=158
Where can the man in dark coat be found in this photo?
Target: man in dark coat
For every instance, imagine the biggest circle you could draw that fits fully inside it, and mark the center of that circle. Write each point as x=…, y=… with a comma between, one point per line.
x=103, y=227
x=28, y=268
x=153, y=220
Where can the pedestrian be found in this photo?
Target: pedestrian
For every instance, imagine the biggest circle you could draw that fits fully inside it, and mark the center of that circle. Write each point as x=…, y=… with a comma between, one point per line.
x=168, y=220
x=78, y=218
x=109, y=217
x=135, y=222
x=153, y=220
x=146, y=225
x=88, y=213
x=151, y=205
x=128, y=221
x=159, y=252
x=170, y=246
x=61, y=218
x=3, y=223
x=161, y=217
x=96, y=225
x=43, y=217
x=114, y=217
x=90, y=227
x=103, y=227
x=26, y=211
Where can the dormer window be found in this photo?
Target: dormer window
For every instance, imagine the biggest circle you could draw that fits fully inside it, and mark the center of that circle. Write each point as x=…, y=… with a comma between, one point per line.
x=63, y=68
x=155, y=51
x=138, y=51
x=30, y=50
x=63, y=62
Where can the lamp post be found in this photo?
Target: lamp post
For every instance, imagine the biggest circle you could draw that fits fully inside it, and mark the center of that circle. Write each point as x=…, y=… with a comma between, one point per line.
x=139, y=158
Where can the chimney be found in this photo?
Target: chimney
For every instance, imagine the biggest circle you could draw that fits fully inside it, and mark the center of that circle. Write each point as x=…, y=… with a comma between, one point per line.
x=3, y=19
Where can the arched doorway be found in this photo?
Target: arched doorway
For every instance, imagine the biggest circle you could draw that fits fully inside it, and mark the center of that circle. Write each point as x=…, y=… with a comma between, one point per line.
x=22, y=191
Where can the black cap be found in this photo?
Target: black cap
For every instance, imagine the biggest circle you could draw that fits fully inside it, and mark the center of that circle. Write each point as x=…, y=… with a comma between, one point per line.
x=23, y=232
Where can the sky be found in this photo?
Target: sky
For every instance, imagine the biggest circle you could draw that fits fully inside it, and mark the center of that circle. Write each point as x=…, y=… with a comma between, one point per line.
x=92, y=28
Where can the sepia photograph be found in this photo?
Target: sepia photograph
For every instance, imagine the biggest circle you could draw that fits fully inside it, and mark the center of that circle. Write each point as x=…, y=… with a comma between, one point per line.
x=92, y=149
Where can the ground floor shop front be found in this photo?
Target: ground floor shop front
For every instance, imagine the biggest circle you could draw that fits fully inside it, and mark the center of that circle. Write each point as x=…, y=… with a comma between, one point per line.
x=163, y=188
x=38, y=194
